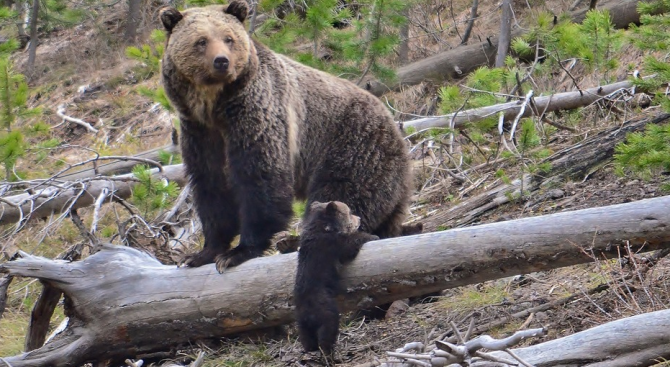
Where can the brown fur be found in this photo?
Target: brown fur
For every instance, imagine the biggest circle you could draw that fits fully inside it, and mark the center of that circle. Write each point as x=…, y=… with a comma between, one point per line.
x=269, y=129
x=330, y=237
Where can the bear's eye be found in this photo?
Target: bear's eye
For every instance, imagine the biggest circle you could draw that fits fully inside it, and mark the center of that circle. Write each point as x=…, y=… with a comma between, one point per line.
x=201, y=42
x=228, y=40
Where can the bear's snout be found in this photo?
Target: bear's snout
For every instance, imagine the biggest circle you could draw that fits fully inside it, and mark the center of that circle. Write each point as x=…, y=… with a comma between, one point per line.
x=221, y=63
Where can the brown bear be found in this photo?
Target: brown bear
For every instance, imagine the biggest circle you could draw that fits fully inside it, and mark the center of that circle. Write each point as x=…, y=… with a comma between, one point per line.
x=259, y=129
x=330, y=237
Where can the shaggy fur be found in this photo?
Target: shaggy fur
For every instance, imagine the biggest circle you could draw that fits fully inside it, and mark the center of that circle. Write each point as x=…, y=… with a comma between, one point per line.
x=268, y=129
x=330, y=237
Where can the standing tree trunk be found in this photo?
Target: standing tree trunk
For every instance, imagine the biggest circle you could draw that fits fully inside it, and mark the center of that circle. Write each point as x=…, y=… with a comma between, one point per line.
x=505, y=33
x=471, y=22
x=403, y=48
x=133, y=20
x=32, y=49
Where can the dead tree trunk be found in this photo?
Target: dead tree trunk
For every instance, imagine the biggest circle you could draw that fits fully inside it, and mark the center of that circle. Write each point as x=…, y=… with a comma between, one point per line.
x=640, y=340
x=544, y=104
x=133, y=20
x=58, y=197
x=32, y=49
x=505, y=33
x=113, y=168
x=459, y=62
x=121, y=302
x=572, y=163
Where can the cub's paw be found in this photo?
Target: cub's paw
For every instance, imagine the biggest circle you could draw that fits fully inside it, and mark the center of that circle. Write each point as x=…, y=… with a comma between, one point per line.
x=205, y=256
x=235, y=257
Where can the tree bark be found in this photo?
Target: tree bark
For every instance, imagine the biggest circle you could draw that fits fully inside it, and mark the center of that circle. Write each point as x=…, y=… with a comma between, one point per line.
x=471, y=22
x=32, y=49
x=403, y=48
x=54, y=199
x=459, y=62
x=505, y=33
x=550, y=103
x=111, y=296
x=133, y=20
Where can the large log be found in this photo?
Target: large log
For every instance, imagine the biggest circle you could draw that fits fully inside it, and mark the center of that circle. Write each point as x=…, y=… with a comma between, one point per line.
x=461, y=61
x=543, y=104
x=56, y=197
x=120, y=166
x=122, y=303
x=640, y=340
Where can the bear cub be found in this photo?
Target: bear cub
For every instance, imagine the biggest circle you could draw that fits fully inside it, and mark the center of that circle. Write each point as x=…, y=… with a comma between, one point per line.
x=330, y=237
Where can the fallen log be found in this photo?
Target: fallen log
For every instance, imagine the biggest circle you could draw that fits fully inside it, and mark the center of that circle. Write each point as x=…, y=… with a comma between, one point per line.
x=574, y=163
x=119, y=167
x=121, y=302
x=544, y=104
x=57, y=197
x=461, y=61
x=641, y=340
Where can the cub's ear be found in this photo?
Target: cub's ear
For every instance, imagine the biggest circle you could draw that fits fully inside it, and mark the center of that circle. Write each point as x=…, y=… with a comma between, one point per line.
x=332, y=208
x=239, y=9
x=170, y=17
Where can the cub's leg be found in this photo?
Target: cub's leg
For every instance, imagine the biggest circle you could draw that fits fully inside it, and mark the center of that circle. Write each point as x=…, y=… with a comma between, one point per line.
x=204, y=155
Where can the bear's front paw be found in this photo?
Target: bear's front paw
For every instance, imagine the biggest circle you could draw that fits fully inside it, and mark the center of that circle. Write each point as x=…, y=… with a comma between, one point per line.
x=235, y=257
x=205, y=256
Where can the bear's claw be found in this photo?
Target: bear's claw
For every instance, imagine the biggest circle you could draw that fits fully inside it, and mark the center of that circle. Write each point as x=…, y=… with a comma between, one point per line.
x=234, y=258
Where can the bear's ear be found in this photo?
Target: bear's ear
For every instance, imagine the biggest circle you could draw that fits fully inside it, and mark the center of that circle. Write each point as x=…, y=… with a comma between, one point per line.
x=239, y=9
x=170, y=17
x=332, y=208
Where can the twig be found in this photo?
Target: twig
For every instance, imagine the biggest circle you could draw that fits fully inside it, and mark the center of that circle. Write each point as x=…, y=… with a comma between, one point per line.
x=5, y=281
x=76, y=219
x=522, y=109
x=60, y=111
x=96, y=209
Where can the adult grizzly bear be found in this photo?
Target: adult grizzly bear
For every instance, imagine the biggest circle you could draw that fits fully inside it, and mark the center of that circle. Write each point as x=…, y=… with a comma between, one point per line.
x=259, y=128
x=329, y=238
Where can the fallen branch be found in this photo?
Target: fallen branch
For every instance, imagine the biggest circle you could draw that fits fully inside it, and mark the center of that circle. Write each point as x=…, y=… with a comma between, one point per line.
x=122, y=165
x=60, y=111
x=517, y=109
x=575, y=162
x=60, y=197
x=113, y=317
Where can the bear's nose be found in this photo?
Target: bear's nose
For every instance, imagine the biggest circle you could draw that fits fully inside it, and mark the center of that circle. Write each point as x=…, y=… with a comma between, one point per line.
x=221, y=63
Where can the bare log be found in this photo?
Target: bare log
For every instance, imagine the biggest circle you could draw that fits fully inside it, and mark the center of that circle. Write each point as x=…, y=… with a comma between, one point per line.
x=116, y=316
x=54, y=199
x=554, y=102
x=121, y=166
x=460, y=61
x=641, y=340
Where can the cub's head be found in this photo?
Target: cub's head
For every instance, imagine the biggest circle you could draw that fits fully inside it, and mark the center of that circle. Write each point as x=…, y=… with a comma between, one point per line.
x=208, y=45
x=331, y=217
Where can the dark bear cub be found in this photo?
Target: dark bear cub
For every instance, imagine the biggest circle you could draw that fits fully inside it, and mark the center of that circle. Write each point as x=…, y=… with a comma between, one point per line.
x=329, y=238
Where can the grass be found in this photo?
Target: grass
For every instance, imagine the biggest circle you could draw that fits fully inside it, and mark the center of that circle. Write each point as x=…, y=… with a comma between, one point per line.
x=471, y=298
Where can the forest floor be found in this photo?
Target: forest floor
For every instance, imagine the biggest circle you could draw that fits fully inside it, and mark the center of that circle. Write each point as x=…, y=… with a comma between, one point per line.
x=70, y=60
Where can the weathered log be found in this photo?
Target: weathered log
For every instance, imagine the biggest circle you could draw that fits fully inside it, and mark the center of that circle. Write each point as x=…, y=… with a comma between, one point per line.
x=461, y=61
x=575, y=163
x=641, y=340
x=544, y=104
x=118, y=167
x=123, y=303
x=51, y=198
